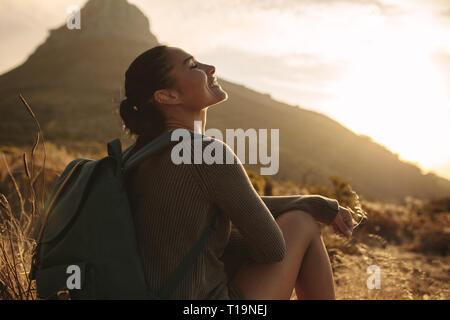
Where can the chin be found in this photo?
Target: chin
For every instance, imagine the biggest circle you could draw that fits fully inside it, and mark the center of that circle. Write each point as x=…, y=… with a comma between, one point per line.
x=217, y=96
x=223, y=96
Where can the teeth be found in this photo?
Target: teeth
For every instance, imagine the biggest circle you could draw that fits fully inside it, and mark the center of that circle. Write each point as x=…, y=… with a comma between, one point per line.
x=214, y=83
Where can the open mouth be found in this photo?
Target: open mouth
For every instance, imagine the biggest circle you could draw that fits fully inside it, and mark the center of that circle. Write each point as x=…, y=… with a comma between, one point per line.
x=214, y=83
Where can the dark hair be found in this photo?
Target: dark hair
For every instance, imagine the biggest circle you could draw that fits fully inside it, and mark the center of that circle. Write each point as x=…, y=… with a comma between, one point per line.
x=146, y=74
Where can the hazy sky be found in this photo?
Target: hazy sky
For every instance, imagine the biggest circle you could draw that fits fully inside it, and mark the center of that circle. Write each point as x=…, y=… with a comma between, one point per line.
x=379, y=67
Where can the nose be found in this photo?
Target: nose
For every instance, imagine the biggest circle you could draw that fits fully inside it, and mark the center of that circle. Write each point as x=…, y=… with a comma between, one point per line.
x=211, y=69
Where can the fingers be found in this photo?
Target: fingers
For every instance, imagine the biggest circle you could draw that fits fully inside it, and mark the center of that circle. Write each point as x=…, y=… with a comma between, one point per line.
x=347, y=222
x=343, y=223
x=347, y=231
x=338, y=231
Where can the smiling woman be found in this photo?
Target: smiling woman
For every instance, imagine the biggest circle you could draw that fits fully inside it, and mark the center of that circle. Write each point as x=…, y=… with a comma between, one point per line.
x=172, y=202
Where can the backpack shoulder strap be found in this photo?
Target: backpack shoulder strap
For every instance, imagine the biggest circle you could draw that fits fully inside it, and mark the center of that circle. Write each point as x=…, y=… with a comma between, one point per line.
x=115, y=151
x=160, y=142
x=155, y=145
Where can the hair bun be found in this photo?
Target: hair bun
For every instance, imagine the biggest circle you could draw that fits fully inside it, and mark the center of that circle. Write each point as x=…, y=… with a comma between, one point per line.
x=127, y=112
x=128, y=105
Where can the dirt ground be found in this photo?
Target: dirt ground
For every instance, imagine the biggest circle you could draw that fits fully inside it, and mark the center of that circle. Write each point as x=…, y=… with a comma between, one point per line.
x=404, y=275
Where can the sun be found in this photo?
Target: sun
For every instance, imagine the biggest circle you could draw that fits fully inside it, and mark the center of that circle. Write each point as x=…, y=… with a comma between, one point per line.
x=395, y=93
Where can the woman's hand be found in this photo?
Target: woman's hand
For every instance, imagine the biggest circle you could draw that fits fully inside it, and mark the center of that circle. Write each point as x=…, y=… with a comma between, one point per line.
x=343, y=223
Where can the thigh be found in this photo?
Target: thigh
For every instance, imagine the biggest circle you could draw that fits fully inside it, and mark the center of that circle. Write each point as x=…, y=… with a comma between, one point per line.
x=277, y=280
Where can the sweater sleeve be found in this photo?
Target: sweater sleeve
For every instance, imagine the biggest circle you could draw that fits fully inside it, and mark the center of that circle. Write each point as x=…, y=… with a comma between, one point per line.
x=323, y=209
x=229, y=187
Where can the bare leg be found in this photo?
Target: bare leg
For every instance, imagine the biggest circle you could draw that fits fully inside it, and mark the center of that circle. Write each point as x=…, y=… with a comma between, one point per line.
x=277, y=280
x=315, y=280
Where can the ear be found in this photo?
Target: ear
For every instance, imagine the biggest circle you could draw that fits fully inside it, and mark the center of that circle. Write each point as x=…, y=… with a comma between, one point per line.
x=166, y=96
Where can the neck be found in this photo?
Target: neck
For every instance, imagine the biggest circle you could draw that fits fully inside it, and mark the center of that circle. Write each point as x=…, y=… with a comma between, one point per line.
x=186, y=120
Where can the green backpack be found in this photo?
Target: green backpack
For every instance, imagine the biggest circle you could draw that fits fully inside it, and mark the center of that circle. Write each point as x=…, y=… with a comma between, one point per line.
x=86, y=229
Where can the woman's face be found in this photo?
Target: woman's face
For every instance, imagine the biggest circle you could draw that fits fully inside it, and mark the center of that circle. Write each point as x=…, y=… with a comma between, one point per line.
x=195, y=82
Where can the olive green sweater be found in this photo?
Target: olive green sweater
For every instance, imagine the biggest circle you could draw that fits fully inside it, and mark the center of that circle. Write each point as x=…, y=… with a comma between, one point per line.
x=173, y=204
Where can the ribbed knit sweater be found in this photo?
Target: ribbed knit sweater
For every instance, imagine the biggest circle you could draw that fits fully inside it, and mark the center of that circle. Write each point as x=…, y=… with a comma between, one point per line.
x=173, y=204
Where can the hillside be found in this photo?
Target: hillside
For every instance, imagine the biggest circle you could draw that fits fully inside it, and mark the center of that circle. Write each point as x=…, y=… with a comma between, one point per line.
x=74, y=83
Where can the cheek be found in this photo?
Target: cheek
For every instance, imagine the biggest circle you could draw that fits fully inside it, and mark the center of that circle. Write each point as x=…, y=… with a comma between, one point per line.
x=196, y=86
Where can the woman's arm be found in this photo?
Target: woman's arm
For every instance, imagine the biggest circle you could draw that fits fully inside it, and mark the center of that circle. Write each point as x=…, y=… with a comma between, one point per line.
x=230, y=188
x=321, y=208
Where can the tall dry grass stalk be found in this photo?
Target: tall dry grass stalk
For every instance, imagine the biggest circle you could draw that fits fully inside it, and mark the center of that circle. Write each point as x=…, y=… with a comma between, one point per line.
x=16, y=226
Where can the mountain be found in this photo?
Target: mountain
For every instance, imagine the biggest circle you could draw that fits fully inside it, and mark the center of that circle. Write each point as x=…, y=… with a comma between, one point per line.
x=443, y=170
x=74, y=83
x=72, y=80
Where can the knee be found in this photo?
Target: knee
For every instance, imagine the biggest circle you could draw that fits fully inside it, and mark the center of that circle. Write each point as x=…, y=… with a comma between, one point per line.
x=301, y=221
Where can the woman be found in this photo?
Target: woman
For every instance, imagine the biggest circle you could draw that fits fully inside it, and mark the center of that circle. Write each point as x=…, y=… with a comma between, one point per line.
x=263, y=247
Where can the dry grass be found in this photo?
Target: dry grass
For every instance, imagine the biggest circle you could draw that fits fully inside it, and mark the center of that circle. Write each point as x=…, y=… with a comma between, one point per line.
x=17, y=223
